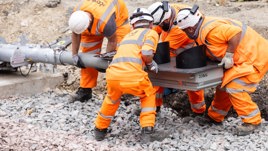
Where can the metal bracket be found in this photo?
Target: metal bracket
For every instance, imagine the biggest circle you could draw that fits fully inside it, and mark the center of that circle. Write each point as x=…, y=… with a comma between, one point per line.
x=18, y=58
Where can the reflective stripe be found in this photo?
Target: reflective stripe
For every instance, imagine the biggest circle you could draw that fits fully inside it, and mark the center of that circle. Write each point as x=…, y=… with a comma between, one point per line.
x=252, y=85
x=105, y=116
x=147, y=109
x=90, y=44
x=244, y=29
x=242, y=83
x=149, y=42
x=232, y=90
x=221, y=112
x=93, y=51
x=252, y=114
x=205, y=27
x=105, y=14
x=115, y=101
x=198, y=105
x=127, y=59
x=147, y=52
x=139, y=41
x=125, y=42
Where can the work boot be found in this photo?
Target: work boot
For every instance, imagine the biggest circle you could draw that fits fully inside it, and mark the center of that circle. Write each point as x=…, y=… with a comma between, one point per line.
x=82, y=95
x=146, y=133
x=246, y=128
x=197, y=114
x=206, y=120
x=100, y=133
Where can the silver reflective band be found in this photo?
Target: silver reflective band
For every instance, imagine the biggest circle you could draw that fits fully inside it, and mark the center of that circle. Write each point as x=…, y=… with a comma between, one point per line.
x=148, y=109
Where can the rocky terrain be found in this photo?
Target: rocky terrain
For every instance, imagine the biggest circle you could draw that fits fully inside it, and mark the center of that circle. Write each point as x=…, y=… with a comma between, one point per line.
x=47, y=121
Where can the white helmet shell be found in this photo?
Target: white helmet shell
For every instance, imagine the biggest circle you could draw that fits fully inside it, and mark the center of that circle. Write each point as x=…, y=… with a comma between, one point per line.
x=140, y=14
x=79, y=21
x=186, y=19
x=157, y=11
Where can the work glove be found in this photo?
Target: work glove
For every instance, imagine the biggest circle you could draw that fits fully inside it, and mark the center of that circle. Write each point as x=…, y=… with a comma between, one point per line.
x=107, y=56
x=78, y=62
x=227, y=61
x=152, y=66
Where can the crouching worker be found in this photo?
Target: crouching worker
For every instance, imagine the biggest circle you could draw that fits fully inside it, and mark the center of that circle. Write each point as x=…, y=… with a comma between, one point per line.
x=243, y=54
x=126, y=75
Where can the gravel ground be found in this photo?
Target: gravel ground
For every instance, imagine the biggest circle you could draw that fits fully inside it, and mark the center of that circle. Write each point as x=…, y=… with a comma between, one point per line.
x=47, y=121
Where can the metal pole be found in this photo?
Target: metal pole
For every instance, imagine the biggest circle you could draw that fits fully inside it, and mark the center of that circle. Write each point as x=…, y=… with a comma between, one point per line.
x=34, y=53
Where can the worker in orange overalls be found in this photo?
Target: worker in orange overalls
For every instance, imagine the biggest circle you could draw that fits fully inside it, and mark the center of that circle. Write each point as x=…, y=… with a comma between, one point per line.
x=91, y=21
x=164, y=15
x=243, y=54
x=126, y=75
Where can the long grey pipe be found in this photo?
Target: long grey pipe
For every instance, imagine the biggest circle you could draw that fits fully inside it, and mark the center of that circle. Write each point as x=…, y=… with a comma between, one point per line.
x=35, y=53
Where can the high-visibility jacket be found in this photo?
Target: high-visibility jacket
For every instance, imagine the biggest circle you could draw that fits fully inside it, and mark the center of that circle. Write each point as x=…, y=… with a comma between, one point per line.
x=101, y=11
x=177, y=39
x=178, y=42
x=127, y=64
x=250, y=55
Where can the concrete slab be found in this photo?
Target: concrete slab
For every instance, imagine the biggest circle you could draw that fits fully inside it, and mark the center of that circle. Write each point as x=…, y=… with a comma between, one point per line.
x=14, y=84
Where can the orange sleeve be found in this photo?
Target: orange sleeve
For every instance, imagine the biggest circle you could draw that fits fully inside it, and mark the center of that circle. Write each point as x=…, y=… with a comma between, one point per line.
x=177, y=38
x=158, y=29
x=223, y=33
x=150, y=41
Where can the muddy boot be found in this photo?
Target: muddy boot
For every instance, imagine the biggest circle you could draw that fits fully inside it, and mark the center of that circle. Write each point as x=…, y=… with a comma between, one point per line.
x=146, y=134
x=82, y=95
x=100, y=133
x=206, y=120
x=246, y=128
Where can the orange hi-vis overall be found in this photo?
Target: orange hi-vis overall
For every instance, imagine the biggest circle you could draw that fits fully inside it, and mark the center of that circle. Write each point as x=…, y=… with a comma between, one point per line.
x=250, y=66
x=178, y=42
x=125, y=75
x=91, y=41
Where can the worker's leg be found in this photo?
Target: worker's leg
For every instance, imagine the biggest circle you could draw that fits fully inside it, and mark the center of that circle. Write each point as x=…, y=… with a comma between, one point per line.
x=220, y=105
x=239, y=90
x=88, y=77
x=109, y=105
x=197, y=101
x=159, y=96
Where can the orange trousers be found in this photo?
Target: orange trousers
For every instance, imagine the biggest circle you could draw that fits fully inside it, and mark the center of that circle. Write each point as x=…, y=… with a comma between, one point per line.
x=89, y=76
x=236, y=94
x=115, y=89
x=196, y=99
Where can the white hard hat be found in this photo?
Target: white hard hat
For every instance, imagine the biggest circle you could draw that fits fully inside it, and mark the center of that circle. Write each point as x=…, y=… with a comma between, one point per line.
x=79, y=21
x=187, y=19
x=160, y=11
x=140, y=14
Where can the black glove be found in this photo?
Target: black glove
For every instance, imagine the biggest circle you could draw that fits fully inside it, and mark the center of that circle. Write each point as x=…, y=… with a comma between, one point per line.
x=78, y=62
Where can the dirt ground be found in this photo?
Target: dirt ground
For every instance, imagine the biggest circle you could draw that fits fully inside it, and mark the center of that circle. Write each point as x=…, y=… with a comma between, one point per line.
x=34, y=21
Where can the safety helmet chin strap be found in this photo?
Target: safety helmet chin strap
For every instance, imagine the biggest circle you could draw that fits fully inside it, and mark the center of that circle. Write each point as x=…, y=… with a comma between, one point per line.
x=196, y=33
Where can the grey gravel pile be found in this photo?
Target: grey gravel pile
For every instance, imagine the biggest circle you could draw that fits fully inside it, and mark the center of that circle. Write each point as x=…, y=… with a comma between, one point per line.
x=47, y=121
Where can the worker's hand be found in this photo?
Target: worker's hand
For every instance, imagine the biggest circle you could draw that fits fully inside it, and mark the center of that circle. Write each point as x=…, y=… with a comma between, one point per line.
x=152, y=66
x=227, y=61
x=78, y=62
